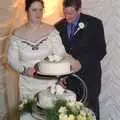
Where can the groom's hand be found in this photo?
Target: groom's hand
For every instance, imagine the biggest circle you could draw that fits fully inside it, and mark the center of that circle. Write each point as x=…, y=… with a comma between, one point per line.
x=63, y=82
x=75, y=65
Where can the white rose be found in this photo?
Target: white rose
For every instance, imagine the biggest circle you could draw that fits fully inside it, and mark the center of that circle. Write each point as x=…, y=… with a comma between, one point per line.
x=25, y=101
x=59, y=89
x=83, y=113
x=57, y=58
x=71, y=117
x=31, y=97
x=21, y=106
x=62, y=110
x=53, y=89
x=51, y=58
x=79, y=104
x=71, y=103
x=81, y=25
x=63, y=117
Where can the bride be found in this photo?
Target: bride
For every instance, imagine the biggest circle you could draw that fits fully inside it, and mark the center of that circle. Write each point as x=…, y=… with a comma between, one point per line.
x=30, y=44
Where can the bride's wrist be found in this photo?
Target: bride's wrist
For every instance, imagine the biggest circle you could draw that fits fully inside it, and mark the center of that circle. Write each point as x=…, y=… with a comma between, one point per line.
x=30, y=71
x=24, y=72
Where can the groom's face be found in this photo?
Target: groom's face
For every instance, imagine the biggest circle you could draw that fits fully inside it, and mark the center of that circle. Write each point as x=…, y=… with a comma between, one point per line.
x=71, y=13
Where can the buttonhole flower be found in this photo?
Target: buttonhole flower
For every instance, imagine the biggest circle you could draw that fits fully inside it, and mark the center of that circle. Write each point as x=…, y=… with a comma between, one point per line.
x=81, y=26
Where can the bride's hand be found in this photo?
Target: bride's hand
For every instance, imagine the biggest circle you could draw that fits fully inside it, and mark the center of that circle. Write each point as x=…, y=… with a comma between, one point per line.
x=30, y=71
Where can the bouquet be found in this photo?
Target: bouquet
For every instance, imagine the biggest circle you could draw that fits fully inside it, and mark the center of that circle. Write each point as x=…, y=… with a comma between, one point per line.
x=62, y=110
x=69, y=110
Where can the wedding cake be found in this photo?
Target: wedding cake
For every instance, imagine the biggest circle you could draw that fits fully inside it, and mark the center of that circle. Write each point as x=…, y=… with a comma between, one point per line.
x=55, y=92
x=54, y=65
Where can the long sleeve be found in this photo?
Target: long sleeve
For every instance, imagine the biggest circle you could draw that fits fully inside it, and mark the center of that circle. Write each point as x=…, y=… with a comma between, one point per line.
x=100, y=41
x=13, y=56
x=56, y=42
x=97, y=49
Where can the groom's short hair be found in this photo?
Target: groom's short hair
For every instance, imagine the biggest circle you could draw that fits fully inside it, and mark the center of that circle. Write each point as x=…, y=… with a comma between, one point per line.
x=72, y=3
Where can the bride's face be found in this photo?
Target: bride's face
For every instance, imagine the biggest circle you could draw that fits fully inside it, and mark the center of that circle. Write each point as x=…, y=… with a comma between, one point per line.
x=35, y=12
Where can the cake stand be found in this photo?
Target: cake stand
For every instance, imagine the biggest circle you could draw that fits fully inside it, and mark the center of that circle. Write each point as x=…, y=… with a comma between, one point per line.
x=72, y=74
x=57, y=75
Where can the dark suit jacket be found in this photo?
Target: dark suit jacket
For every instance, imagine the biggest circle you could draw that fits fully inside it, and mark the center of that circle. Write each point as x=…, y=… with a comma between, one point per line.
x=89, y=47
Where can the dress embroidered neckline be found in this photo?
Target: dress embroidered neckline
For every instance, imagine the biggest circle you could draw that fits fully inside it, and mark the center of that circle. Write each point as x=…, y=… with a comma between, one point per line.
x=35, y=45
x=43, y=38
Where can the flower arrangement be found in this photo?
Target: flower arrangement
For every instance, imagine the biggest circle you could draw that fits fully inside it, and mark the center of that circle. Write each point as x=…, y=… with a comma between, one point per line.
x=69, y=110
x=54, y=58
x=26, y=104
x=62, y=110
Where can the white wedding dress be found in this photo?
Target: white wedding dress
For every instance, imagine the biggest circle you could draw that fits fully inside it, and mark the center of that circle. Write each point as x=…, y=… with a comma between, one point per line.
x=22, y=54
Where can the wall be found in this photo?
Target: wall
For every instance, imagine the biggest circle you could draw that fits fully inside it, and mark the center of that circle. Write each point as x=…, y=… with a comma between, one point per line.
x=8, y=77
x=3, y=101
x=109, y=12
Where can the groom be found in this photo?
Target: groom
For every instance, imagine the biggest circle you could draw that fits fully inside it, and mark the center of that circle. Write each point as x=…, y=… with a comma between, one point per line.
x=83, y=38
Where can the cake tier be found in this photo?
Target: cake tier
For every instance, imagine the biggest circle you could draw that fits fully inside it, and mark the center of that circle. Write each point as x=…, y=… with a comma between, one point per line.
x=47, y=99
x=60, y=67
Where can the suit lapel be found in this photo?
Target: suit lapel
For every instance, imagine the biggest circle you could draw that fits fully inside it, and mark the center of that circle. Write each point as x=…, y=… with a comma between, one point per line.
x=78, y=29
x=65, y=31
x=83, y=20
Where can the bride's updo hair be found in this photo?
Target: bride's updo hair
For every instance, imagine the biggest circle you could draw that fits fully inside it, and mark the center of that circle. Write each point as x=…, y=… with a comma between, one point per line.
x=29, y=2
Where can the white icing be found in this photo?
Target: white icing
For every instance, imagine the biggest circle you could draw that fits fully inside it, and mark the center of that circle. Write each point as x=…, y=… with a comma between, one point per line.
x=57, y=89
x=56, y=58
x=48, y=97
x=61, y=67
x=53, y=89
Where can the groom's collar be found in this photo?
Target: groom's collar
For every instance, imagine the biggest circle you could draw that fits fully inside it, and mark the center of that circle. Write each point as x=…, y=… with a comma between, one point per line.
x=75, y=22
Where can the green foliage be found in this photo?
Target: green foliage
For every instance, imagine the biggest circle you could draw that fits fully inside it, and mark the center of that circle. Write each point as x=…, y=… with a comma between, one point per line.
x=65, y=110
x=52, y=113
x=62, y=110
x=26, y=105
